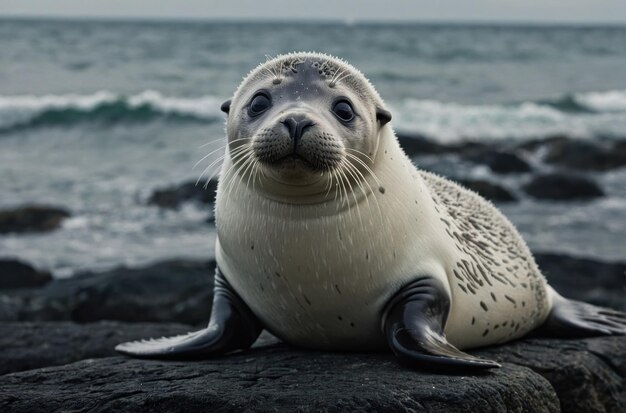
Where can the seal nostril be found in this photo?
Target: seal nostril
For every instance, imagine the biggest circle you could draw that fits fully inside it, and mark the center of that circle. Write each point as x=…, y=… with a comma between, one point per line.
x=292, y=126
x=296, y=127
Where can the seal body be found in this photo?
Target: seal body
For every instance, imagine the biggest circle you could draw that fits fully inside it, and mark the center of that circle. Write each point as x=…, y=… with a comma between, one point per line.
x=319, y=275
x=330, y=238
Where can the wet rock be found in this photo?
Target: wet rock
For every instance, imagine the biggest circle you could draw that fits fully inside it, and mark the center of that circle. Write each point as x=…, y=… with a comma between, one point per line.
x=588, y=375
x=172, y=197
x=538, y=375
x=417, y=145
x=489, y=190
x=278, y=378
x=586, y=279
x=17, y=274
x=499, y=161
x=31, y=218
x=31, y=345
x=561, y=187
x=171, y=291
x=578, y=154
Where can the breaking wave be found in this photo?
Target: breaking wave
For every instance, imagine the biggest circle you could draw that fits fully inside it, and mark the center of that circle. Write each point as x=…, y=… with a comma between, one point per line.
x=578, y=115
x=582, y=115
x=25, y=111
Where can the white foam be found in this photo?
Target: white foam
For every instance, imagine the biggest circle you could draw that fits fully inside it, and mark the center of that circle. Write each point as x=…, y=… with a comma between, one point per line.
x=610, y=101
x=21, y=109
x=449, y=122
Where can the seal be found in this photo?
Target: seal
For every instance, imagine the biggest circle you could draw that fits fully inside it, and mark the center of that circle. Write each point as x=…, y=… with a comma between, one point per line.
x=330, y=238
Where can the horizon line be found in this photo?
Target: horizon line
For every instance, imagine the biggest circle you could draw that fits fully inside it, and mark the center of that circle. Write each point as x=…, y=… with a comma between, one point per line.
x=320, y=20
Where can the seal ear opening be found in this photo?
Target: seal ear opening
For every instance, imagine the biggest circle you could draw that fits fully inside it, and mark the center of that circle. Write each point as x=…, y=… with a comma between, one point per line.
x=226, y=106
x=383, y=116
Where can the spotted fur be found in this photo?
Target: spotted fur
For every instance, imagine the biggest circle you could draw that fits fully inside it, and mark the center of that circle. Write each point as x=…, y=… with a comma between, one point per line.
x=318, y=271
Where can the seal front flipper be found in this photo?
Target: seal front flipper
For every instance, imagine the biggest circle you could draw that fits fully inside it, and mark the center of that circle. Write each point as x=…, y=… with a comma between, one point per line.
x=571, y=318
x=233, y=326
x=413, y=322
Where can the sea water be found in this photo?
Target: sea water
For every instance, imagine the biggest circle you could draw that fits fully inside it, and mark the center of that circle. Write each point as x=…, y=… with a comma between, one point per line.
x=95, y=115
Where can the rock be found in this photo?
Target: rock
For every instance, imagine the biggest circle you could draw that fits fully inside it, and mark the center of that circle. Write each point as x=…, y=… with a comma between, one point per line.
x=586, y=279
x=31, y=345
x=31, y=218
x=500, y=161
x=578, y=154
x=588, y=375
x=538, y=375
x=172, y=197
x=417, y=145
x=489, y=190
x=562, y=187
x=278, y=378
x=17, y=274
x=170, y=291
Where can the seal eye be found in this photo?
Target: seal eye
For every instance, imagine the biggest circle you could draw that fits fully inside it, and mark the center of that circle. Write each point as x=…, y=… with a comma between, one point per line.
x=343, y=110
x=259, y=104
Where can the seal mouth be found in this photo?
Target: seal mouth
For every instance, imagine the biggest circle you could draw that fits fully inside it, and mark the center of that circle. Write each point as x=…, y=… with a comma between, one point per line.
x=294, y=161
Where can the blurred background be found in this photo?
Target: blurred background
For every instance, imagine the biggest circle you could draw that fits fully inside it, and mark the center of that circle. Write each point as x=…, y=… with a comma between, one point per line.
x=105, y=106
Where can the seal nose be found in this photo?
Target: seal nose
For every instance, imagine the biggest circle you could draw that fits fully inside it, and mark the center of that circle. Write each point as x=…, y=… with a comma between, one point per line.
x=296, y=126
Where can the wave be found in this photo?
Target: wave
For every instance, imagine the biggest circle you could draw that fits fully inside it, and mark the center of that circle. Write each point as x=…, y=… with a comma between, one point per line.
x=582, y=115
x=578, y=115
x=104, y=106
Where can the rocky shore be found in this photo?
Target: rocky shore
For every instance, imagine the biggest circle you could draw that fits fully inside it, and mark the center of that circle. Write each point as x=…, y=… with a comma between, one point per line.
x=58, y=335
x=58, y=339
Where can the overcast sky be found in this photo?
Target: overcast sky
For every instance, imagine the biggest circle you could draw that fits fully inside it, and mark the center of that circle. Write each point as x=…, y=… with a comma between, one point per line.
x=537, y=11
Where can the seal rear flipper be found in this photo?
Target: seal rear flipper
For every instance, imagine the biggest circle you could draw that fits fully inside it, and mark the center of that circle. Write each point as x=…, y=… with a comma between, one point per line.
x=571, y=318
x=233, y=326
x=413, y=323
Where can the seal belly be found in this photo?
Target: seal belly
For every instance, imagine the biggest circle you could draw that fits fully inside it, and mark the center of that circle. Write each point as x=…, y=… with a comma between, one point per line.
x=320, y=279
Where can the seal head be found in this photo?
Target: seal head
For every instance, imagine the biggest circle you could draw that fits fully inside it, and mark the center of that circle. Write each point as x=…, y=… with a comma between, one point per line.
x=304, y=118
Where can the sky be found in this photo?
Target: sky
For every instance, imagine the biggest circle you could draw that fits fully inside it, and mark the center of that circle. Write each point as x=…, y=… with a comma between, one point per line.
x=500, y=11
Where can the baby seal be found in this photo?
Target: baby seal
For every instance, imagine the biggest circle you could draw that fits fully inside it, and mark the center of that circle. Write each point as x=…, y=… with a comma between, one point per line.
x=330, y=238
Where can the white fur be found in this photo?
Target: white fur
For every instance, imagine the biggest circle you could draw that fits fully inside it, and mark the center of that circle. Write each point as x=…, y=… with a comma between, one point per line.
x=318, y=274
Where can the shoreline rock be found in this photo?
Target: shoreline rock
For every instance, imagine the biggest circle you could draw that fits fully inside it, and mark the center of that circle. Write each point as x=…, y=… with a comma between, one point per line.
x=15, y=273
x=562, y=187
x=489, y=190
x=31, y=218
x=174, y=196
x=67, y=359
x=169, y=291
x=538, y=375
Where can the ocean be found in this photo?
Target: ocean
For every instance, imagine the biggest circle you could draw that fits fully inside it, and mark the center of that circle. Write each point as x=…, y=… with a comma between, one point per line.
x=95, y=115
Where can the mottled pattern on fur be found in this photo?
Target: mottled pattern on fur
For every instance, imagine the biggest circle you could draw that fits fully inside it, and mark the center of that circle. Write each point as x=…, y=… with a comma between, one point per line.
x=495, y=268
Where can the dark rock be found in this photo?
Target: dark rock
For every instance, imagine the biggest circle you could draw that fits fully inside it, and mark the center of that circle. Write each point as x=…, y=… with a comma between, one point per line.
x=588, y=375
x=172, y=197
x=578, y=154
x=171, y=291
x=277, y=378
x=417, y=145
x=31, y=218
x=500, y=161
x=586, y=279
x=562, y=187
x=533, y=145
x=18, y=274
x=489, y=190
x=31, y=345
x=585, y=375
